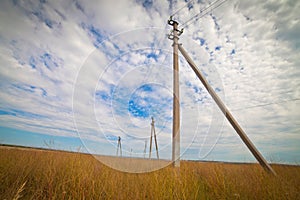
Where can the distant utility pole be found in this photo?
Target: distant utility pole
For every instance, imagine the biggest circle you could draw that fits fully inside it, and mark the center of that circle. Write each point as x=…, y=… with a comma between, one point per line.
x=145, y=149
x=176, y=100
x=119, y=147
x=153, y=133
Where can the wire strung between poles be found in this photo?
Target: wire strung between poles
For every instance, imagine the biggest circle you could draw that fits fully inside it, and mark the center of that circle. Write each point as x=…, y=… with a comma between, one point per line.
x=203, y=12
x=187, y=3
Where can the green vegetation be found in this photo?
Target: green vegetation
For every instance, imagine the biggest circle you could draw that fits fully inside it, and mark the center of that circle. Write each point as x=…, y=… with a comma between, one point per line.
x=37, y=174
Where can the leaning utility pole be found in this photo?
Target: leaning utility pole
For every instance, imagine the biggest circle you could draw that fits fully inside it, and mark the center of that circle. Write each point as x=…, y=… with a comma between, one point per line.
x=227, y=114
x=176, y=103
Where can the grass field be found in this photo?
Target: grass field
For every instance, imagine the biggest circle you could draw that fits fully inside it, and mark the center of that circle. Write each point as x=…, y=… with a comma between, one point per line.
x=36, y=174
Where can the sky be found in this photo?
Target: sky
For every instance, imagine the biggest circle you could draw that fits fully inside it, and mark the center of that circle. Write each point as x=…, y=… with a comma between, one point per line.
x=75, y=75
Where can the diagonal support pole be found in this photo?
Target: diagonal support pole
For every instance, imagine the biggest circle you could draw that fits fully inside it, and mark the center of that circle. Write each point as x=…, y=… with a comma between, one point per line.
x=150, y=150
x=228, y=115
x=155, y=140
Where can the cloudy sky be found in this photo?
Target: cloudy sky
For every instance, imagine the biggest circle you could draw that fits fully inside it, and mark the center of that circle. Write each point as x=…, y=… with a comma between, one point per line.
x=75, y=75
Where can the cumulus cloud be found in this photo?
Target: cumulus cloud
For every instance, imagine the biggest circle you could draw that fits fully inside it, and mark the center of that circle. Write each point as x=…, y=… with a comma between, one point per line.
x=108, y=67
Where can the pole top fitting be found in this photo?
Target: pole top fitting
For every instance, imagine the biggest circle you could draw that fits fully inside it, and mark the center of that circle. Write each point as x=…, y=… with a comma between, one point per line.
x=171, y=21
x=180, y=32
x=152, y=120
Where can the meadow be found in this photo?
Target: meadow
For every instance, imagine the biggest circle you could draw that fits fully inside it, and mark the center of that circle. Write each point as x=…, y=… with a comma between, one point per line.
x=38, y=174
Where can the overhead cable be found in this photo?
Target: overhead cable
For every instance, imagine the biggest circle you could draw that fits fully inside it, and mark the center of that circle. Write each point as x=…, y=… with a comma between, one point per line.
x=177, y=11
x=203, y=12
x=267, y=104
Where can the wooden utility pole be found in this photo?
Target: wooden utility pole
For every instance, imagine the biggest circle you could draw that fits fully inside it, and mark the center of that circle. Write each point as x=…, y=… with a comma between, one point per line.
x=228, y=115
x=153, y=133
x=145, y=149
x=119, y=147
x=176, y=99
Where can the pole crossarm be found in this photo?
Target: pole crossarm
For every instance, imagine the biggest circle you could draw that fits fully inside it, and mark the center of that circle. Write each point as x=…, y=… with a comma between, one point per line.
x=175, y=33
x=227, y=114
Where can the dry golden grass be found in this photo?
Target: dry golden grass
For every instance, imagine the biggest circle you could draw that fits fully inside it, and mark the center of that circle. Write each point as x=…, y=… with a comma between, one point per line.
x=33, y=174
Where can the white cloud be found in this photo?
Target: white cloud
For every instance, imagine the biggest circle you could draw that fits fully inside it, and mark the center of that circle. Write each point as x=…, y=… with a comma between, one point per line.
x=248, y=50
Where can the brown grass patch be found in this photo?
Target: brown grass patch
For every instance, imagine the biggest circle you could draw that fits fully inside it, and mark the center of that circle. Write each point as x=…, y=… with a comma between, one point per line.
x=33, y=174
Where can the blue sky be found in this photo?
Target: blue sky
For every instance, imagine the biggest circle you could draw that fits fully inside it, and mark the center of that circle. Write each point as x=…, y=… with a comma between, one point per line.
x=77, y=75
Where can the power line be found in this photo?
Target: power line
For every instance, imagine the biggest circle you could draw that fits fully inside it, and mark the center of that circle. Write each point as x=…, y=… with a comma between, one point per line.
x=267, y=104
x=203, y=12
x=181, y=8
x=272, y=95
x=266, y=94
